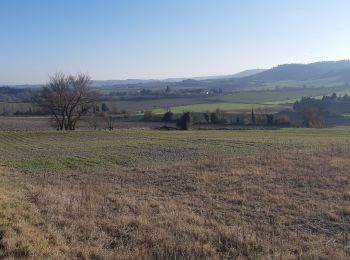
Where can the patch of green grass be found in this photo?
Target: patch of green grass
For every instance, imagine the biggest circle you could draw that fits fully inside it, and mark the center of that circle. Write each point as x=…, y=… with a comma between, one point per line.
x=273, y=99
x=80, y=150
x=225, y=106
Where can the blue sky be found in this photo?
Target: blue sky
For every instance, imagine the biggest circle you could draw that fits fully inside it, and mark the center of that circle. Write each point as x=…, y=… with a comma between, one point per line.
x=119, y=39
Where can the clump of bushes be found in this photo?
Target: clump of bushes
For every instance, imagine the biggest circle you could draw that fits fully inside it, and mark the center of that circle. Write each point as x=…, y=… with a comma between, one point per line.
x=312, y=117
x=269, y=119
x=148, y=115
x=104, y=108
x=186, y=121
x=168, y=117
x=282, y=120
x=217, y=117
x=207, y=117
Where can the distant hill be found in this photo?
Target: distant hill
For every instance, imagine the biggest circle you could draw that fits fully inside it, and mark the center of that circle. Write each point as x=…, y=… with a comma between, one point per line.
x=301, y=72
x=241, y=74
x=321, y=73
x=111, y=83
x=343, y=74
x=24, y=86
x=332, y=65
x=318, y=74
x=247, y=73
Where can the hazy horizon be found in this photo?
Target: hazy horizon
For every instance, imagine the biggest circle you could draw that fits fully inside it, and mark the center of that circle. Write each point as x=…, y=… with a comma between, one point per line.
x=169, y=78
x=116, y=40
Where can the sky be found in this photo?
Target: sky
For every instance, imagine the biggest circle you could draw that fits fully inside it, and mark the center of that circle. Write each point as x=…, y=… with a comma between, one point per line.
x=148, y=39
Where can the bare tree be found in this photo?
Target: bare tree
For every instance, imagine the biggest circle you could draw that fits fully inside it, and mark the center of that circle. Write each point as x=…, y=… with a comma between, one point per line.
x=93, y=116
x=253, y=117
x=110, y=120
x=92, y=120
x=67, y=98
x=313, y=117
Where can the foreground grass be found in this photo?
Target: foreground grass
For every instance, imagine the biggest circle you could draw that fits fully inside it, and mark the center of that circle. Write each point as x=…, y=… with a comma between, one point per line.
x=77, y=151
x=20, y=235
x=283, y=205
x=176, y=195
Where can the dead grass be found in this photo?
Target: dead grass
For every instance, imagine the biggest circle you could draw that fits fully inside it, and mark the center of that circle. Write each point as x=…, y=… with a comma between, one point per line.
x=20, y=232
x=278, y=205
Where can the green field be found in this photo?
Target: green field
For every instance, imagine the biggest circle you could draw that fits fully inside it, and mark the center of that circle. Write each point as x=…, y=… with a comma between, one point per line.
x=62, y=152
x=225, y=106
x=280, y=95
x=274, y=99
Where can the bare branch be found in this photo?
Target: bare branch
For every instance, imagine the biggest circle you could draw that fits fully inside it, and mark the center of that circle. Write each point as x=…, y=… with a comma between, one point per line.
x=67, y=98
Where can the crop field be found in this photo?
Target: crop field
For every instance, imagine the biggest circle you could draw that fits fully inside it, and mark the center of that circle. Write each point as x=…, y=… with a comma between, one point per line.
x=225, y=106
x=242, y=101
x=52, y=151
x=327, y=82
x=155, y=103
x=147, y=194
x=22, y=123
x=280, y=95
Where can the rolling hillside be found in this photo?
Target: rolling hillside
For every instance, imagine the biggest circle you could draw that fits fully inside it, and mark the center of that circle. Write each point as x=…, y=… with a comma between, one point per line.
x=319, y=74
x=304, y=71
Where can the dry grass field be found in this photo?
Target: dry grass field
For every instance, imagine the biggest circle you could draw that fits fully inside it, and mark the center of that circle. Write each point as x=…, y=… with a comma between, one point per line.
x=141, y=194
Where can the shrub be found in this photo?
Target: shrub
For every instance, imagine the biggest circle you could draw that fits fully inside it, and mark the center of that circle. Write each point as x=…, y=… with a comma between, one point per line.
x=312, y=117
x=253, y=117
x=269, y=119
x=238, y=120
x=283, y=120
x=186, y=121
x=168, y=117
x=148, y=115
x=213, y=118
x=217, y=117
x=104, y=108
x=206, y=117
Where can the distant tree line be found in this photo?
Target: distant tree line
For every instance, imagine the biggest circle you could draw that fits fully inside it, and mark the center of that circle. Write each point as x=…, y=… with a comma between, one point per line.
x=10, y=94
x=314, y=111
x=218, y=117
x=327, y=105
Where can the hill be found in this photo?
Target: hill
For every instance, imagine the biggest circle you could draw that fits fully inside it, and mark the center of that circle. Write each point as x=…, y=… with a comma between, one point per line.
x=319, y=73
x=111, y=83
x=303, y=71
x=247, y=73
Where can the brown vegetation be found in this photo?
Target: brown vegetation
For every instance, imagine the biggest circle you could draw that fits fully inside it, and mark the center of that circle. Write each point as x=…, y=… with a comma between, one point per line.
x=283, y=204
x=312, y=117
